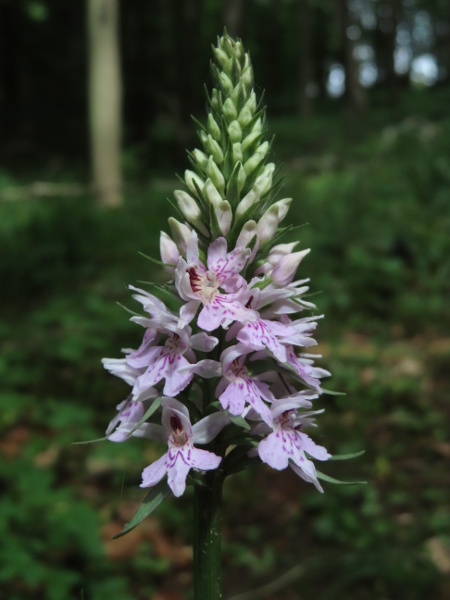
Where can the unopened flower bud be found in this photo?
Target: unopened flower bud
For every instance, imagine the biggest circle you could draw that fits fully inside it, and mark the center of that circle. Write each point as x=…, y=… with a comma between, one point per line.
x=264, y=181
x=284, y=272
x=251, y=102
x=190, y=210
x=225, y=83
x=190, y=177
x=210, y=192
x=280, y=250
x=249, y=140
x=268, y=225
x=221, y=57
x=247, y=79
x=200, y=158
x=168, y=250
x=249, y=235
x=252, y=163
x=215, y=175
x=237, y=152
x=181, y=234
x=235, y=131
x=229, y=110
x=247, y=202
x=213, y=128
x=215, y=150
x=224, y=216
x=283, y=208
x=215, y=100
x=257, y=127
x=245, y=116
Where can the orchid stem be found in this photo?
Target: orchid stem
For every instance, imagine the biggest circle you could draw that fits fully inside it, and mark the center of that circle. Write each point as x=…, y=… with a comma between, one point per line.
x=207, y=537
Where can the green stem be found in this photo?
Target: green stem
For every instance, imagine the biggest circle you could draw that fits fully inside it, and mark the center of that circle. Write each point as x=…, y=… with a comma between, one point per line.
x=207, y=537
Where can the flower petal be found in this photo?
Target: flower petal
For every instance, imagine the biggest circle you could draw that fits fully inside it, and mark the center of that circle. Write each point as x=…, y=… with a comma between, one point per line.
x=155, y=472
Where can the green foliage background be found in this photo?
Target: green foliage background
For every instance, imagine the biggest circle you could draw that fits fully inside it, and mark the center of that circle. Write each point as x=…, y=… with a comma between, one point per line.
x=376, y=202
x=371, y=193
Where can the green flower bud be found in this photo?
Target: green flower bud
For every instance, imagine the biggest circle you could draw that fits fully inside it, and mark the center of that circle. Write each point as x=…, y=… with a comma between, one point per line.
x=221, y=58
x=225, y=83
x=181, y=234
x=211, y=194
x=268, y=224
x=200, y=158
x=229, y=110
x=213, y=172
x=190, y=177
x=264, y=181
x=237, y=152
x=252, y=163
x=247, y=202
x=213, y=128
x=224, y=216
x=190, y=211
x=215, y=150
x=235, y=131
x=245, y=116
x=250, y=140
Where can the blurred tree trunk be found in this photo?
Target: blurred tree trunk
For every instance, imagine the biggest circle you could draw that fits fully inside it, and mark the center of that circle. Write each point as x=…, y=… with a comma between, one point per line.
x=233, y=16
x=187, y=20
x=306, y=74
x=105, y=95
x=354, y=93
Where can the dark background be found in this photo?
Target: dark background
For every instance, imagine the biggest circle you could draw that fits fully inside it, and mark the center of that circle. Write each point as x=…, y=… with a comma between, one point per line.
x=358, y=98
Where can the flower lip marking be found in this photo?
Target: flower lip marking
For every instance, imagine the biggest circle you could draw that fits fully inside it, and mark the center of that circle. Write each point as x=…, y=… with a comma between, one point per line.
x=206, y=284
x=179, y=437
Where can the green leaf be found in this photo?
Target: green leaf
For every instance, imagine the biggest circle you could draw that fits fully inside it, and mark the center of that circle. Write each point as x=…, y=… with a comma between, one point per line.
x=347, y=456
x=239, y=421
x=157, y=262
x=329, y=479
x=333, y=392
x=153, y=499
x=151, y=410
x=103, y=439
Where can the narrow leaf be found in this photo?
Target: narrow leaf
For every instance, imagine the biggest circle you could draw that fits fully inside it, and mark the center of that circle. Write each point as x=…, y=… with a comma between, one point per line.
x=150, y=411
x=347, y=456
x=153, y=499
x=333, y=392
x=103, y=439
x=329, y=479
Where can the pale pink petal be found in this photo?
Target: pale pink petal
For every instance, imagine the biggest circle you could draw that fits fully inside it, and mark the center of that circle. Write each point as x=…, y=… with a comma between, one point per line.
x=175, y=380
x=203, y=342
x=271, y=450
x=217, y=250
x=262, y=334
x=203, y=460
x=155, y=472
x=187, y=312
x=177, y=472
x=205, y=368
x=233, y=398
x=308, y=473
x=221, y=311
x=205, y=430
x=318, y=452
x=192, y=255
x=144, y=355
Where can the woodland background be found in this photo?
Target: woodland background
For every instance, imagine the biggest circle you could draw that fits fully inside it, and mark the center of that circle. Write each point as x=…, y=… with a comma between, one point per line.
x=358, y=98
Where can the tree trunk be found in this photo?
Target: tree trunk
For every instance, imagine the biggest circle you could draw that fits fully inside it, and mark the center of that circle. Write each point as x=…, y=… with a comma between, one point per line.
x=306, y=61
x=105, y=91
x=354, y=93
